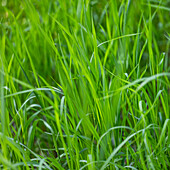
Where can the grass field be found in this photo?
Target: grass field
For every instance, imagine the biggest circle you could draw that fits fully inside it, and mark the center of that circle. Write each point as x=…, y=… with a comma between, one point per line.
x=85, y=84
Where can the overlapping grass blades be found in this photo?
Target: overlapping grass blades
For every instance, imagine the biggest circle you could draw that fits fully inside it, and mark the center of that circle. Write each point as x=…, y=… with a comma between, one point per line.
x=84, y=84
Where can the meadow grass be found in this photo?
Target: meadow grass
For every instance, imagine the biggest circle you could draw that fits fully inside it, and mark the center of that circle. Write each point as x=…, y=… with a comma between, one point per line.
x=85, y=84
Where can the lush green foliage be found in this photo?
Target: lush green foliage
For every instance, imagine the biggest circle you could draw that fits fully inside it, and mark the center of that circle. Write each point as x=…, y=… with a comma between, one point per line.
x=84, y=84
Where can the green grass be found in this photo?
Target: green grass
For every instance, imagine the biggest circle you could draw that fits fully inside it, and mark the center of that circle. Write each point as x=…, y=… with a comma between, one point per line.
x=84, y=84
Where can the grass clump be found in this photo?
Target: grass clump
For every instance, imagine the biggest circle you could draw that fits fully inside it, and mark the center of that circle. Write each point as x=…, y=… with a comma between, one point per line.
x=84, y=84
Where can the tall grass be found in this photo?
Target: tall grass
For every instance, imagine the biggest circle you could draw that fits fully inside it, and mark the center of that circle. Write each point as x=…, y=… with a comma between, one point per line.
x=84, y=84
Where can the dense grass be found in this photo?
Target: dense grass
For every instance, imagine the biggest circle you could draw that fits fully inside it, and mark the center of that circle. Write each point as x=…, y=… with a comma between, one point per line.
x=85, y=84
